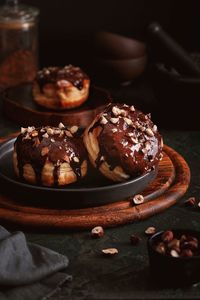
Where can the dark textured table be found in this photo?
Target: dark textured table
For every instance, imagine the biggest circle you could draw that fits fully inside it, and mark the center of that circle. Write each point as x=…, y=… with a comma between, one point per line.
x=125, y=276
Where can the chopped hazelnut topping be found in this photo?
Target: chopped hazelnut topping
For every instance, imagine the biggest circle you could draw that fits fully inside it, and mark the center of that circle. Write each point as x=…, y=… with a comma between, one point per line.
x=160, y=156
x=50, y=131
x=23, y=130
x=114, y=120
x=57, y=131
x=52, y=140
x=128, y=121
x=116, y=111
x=132, y=108
x=174, y=253
x=114, y=130
x=76, y=159
x=45, y=135
x=61, y=125
x=130, y=134
x=44, y=151
x=30, y=129
x=103, y=120
x=149, y=132
x=134, y=140
x=155, y=128
x=34, y=133
x=73, y=129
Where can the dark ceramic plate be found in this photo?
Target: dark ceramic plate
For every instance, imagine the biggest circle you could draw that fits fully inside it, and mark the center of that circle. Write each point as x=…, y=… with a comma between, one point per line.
x=94, y=190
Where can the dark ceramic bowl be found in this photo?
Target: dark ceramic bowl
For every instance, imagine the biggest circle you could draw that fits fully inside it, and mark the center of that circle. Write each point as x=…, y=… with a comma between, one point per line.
x=173, y=271
x=177, y=98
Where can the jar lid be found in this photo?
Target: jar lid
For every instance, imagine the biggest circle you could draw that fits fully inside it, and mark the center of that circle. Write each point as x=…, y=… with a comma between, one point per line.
x=13, y=14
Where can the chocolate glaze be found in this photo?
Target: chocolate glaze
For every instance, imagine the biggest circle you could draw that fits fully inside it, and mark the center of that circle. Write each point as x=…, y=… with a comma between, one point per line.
x=136, y=147
x=56, y=75
x=37, y=147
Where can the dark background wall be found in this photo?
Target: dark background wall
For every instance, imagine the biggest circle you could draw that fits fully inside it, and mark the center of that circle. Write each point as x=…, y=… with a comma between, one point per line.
x=67, y=26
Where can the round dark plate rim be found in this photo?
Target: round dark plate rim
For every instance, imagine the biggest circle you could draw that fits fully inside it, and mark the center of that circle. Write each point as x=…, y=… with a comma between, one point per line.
x=64, y=112
x=72, y=190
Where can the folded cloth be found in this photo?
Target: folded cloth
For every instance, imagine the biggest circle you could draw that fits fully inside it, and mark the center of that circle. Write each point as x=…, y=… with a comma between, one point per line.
x=28, y=271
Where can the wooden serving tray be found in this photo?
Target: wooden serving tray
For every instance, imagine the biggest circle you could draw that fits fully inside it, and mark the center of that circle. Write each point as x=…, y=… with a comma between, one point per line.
x=20, y=107
x=169, y=186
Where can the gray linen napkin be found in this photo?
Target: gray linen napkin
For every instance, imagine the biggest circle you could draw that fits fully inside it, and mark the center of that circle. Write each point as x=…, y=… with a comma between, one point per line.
x=28, y=271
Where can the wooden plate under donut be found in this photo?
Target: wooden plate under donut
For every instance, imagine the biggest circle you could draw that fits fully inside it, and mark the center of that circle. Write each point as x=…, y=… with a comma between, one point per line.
x=169, y=186
x=19, y=106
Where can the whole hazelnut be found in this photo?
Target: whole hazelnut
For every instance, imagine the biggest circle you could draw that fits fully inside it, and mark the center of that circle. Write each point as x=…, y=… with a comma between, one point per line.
x=97, y=232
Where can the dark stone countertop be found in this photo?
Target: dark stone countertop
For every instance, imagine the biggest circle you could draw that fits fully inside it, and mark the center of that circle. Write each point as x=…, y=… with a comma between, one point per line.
x=125, y=276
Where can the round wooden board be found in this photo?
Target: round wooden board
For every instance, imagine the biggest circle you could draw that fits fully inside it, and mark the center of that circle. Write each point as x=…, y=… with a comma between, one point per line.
x=19, y=106
x=171, y=183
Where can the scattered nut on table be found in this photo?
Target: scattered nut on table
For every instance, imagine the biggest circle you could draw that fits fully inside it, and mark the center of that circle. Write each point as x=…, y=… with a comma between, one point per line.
x=138, y=199
x=97, y=232
x=150, y=230
x=110, y=251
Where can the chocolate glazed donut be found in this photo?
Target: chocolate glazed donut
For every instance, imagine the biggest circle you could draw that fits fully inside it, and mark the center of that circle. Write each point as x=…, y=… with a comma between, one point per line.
x=61, y=88
x=50, y=156
x=123, y=142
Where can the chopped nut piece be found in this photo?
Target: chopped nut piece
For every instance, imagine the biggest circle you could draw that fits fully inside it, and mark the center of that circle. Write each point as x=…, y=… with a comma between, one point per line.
x=44, y=151
x=114, y=120
x=34, y=133
x=103, y=120
x=30, y=129
x=132, y=108
x=61, y=125
x=50, y=131
x=149, y=132
x=138, y=199
x=114, y=130
x=45, y=135
x=150, y=230
x=23, y=130
x=57, y=131
x=76, y=159
x=160, y=156
x=134, y=140
x=134, y=239
x=52, y=140
x=128, y=121
x=130, y=134
x=174, y=253
x=97, y=232
x=110, y=251
x=74, y=129
x=155, y=128
x=116, y=111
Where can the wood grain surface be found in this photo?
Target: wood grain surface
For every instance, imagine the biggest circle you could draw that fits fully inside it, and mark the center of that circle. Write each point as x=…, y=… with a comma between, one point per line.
x=169, y=186
x=19, y=106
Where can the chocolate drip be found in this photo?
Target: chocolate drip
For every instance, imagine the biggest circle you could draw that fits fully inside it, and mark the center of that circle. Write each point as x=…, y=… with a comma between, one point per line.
x=56, y=75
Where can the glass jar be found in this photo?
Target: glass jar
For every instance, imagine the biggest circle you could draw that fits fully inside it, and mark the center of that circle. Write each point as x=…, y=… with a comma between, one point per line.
x=18, y=44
